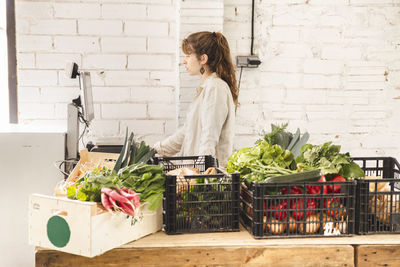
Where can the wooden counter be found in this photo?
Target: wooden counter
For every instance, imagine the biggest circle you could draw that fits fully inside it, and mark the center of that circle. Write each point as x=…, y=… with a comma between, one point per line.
x=238, y=249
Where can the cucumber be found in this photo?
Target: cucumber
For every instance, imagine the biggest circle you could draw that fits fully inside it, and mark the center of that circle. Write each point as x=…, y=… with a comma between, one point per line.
x=308, y=176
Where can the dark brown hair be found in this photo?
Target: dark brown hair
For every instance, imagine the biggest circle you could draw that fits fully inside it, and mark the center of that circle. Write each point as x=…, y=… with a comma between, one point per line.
x=216, y=47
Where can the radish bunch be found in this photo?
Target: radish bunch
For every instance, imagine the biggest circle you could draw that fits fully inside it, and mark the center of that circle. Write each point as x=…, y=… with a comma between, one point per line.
x=120, y=199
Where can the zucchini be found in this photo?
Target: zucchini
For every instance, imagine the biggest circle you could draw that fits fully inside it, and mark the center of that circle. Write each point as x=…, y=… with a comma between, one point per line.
x=308, y=176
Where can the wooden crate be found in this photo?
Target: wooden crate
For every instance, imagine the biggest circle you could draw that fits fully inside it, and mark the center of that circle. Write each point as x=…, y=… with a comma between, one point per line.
x=85, y=228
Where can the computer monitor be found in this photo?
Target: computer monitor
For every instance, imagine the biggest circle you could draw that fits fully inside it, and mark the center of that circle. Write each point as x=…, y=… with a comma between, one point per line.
x=86, y=96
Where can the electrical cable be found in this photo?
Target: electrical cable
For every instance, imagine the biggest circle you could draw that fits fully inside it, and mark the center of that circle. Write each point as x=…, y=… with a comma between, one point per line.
x=252, y=27
x=240, y=76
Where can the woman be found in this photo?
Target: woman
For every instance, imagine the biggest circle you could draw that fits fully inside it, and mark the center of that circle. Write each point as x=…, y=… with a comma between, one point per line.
x=209, y=126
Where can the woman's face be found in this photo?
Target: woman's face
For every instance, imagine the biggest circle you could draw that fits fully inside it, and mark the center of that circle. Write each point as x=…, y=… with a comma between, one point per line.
x=192, y=64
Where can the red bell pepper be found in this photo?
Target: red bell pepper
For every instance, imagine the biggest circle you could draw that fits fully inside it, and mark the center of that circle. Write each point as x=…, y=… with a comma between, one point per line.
x=336, y=188
x=280, y=210
x=294, y=190
x=316, y=189
x=298, y=207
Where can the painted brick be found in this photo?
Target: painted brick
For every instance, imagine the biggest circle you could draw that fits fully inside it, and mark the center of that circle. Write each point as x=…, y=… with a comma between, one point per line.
x=111, y=94
x=126, y=11
x=293, y=50
x=28, y=94
x=104, y=127
x=76, y=44
x=189, y=12
x=123, y=44
x=123, y=111
x=153, y=94
x=162, y=13
x=277, y=64
x=202, y=4
x=103, y=61
x=284, y=34
x=77, y=10
x=60, y=111
x=53, y=27
x=321, y=81
x=147, y=62
x=37, y=10
x=321, y=35
x=26, y=60
x=161, y=45
x=170, y=127
x=37, y=77
x=100, y=27
x=284, y=79
x=56, y=61
x=58, y=94
x=142, y=127
x=135, y=28
x=35, y=111
x=26, y=43
x=323, y=66
x=63, y=80
x=126, y=78
x=164, y=78
x=161, y=111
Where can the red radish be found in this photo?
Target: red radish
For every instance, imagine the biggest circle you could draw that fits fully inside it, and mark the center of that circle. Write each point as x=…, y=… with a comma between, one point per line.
x=127, y=209
x=114, y=195
x=106, y=202
x=125, y=194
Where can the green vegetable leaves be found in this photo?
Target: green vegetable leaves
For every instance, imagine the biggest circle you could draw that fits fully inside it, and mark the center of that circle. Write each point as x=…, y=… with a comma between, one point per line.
x=147, y=180
x=328, y=159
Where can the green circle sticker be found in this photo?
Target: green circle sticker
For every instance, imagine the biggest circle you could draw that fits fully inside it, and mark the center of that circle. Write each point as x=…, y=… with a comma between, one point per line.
x=58, y=231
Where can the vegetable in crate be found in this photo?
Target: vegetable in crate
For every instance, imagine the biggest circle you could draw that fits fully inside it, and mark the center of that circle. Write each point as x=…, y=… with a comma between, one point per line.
x=279, y=136
x=133, y=153
x=261, y=161
x=329, y=160
x=147, y=180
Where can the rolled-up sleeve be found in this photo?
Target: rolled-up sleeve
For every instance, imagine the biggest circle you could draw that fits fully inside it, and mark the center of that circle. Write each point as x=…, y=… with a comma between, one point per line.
x=213, y=116
x=171, y=145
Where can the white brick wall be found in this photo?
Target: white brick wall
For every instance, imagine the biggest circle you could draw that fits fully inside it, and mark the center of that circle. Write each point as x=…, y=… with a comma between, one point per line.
x=128, y=46
x=328, y=66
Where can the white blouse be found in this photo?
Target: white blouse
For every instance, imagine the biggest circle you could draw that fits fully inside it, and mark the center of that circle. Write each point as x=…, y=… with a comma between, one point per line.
x=209, y=125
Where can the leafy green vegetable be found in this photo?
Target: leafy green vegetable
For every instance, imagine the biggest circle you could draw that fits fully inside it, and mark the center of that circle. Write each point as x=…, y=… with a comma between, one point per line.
x=287, y=140
x=261, y=161
x=133, y=153
x=328, y=159
x=147, y=180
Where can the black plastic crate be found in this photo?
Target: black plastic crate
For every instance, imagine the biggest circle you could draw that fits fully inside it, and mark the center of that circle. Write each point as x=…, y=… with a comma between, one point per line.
x=210, y=204
x=378, y=200
x=267, y=213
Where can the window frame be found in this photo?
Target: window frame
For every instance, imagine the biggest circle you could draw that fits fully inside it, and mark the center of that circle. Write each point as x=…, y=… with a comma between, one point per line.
x=12, y=62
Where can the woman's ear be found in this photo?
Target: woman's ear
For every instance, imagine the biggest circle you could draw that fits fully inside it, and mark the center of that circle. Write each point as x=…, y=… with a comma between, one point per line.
x=203, y=59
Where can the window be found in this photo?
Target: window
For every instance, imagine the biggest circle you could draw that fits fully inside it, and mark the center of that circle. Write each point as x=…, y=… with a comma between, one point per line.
x=8, y=70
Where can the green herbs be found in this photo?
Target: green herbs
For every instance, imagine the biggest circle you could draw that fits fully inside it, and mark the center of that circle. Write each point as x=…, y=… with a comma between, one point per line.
x=261, y=161
x=88, y=188
x=326, y=157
